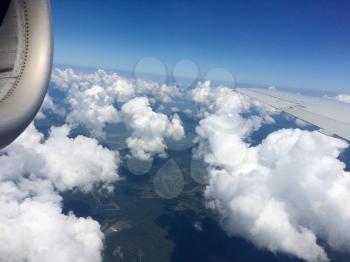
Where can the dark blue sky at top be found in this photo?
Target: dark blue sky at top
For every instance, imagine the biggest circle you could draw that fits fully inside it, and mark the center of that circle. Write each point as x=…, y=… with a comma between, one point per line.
x=297, y=43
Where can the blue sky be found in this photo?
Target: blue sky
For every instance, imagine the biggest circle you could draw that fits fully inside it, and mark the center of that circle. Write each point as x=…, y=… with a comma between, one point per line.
x=303, y=44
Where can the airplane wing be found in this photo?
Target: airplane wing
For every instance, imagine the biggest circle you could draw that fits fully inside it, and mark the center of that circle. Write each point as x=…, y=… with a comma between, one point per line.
x=25, y=63
x=332, y=117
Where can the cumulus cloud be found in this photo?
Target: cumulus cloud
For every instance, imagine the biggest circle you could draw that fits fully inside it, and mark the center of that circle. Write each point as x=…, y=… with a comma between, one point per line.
x=33, y=171
x=201, y=93
x=278, y=194
x=89, y=102
x=149, y=128
x=67, y=162
x=225, y=101
x=119, y=88
x=91, y=98
x=343, y=98
x=33, y=227
x=92, y=108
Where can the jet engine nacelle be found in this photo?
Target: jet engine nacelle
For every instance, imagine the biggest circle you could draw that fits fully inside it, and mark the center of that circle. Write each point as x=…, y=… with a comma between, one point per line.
x=25, y=63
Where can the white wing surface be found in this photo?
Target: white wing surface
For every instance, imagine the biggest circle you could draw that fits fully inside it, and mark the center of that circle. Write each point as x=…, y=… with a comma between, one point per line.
x=332, y=117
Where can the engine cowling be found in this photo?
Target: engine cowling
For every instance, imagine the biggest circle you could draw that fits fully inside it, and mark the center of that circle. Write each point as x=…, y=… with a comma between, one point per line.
x=26, y=51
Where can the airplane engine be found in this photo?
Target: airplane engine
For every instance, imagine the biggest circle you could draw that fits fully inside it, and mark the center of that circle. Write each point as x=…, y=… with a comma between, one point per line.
x=26, y=51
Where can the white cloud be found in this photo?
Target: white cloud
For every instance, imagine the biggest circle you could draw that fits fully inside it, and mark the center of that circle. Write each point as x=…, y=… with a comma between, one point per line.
x=159, y=92
x=33, y=227
x=343, y=98
x=149, y=128
x=67, y=162
x=91, y=97
x=225, y=103
x=221, y=98
x=92, y=108
x=33, y=171
x=201, y=93
x=280, y=193
x=119, y=88
x=90, y=102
